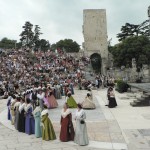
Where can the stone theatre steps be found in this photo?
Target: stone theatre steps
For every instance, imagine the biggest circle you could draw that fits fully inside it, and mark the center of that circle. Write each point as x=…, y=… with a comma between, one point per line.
x=88, y=70
x=144, y=100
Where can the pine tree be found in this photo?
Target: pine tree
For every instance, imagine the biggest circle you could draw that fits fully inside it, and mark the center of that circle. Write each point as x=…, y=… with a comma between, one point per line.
x=27, y=35
x=36, y=39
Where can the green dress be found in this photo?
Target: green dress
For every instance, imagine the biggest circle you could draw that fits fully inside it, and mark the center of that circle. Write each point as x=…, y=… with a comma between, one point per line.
x=71, y=102
x=48, y=132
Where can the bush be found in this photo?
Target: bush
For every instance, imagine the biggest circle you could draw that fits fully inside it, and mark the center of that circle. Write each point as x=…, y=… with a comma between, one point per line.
x=122, y=86
x=138, y=81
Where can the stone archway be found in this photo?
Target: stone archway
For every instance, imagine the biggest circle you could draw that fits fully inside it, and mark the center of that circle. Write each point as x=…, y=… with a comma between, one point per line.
x=96, y=62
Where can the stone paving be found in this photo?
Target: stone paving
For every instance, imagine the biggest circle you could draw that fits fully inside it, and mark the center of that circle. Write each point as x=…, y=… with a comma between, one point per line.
x=103, y=134
x=99, y=129
x=121, y=128
x=134, y=122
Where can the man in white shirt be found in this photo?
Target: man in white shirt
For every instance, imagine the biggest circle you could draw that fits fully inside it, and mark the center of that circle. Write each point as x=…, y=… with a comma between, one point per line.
x=40, y=97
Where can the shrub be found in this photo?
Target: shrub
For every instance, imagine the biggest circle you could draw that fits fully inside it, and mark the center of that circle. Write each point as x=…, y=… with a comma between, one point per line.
x=122, y=86
x=138, y=80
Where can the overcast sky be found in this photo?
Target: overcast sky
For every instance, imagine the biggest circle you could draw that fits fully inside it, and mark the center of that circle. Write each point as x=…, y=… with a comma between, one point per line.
x=60, y=19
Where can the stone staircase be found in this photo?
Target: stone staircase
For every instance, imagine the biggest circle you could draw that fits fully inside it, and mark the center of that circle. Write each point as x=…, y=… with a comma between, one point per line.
x=144, y=100
x=88, y=71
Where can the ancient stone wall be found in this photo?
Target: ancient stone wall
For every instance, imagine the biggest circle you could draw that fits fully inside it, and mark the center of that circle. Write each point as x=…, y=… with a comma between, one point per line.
x=95, y=32
x=95, y=35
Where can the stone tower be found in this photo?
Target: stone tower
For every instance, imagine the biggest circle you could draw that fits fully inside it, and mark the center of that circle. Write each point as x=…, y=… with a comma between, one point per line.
x=95, y=34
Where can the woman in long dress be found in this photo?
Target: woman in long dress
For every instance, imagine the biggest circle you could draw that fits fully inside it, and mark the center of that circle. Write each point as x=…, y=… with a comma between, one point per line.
x=81, y=136
x=71, y=101
x=58, y=91
x=48, y=132
x=111, y=98
x=62, y=90
x=12, y=112
x=67, y=130
x=16, y=109
x=66, y=89
x=108, y=95
x=21, y=118
x=88, y=103
x=90, y=92
x=29, y=121
x=71, y=88
x=51, y=99
x=8, y=105
x=37, y=118
x=46, y=102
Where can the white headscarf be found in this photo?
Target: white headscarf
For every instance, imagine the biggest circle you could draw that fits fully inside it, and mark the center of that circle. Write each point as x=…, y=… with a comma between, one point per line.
x=26, y=108
x=37, y=109
x=21, y=107
x=44, y=112
x=65, y=113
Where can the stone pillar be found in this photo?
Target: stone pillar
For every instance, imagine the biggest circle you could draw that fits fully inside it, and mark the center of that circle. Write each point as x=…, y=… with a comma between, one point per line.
x=95, y=34
x=104, y=66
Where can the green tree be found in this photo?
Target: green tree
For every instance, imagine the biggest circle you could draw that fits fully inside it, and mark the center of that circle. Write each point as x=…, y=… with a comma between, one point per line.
x=18, y=45
x=53, y=47
x=129, y=30
x=27, y=35
x=137, y=47
x=36, y=38
x=68, y=45
x=44, y=45
x=6, y=43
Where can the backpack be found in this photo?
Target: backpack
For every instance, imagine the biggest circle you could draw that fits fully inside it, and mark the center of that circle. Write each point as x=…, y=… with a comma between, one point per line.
x=34, y=96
